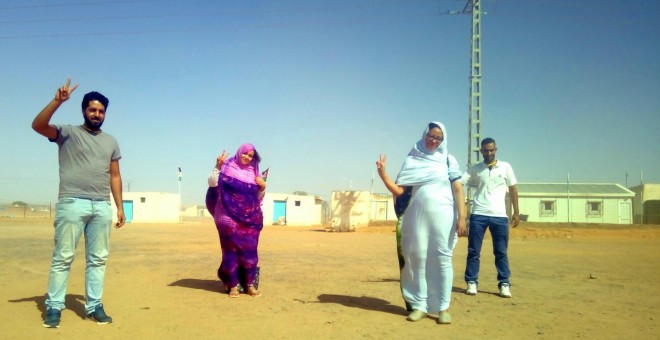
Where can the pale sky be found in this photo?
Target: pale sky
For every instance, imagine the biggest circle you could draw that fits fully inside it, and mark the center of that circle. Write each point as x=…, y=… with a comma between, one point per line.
x=570, y=88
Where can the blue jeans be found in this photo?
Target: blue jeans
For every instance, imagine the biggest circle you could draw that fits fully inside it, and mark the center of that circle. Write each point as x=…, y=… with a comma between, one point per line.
x=499, y=232
x=74, y=217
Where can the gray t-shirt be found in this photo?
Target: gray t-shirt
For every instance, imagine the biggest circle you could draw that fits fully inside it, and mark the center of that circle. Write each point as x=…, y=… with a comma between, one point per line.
x=85, y=162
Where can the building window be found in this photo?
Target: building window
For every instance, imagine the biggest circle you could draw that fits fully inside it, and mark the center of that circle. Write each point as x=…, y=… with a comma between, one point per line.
x=297, y=203
x=594, y=208
x=547, y=208
x=143, y=199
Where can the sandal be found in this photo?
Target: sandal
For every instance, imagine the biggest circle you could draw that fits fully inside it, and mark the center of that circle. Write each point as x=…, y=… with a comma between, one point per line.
x=253, y=292
x=233, y=292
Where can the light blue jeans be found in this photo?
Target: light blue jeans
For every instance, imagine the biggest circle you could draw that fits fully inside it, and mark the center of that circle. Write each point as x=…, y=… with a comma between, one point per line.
x=74, y=217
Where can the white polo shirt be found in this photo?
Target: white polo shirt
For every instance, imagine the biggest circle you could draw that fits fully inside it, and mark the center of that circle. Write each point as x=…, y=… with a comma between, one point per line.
x=491, y=187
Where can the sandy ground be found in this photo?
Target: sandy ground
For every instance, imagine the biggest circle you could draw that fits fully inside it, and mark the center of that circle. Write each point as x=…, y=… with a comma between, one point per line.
x=569, y=281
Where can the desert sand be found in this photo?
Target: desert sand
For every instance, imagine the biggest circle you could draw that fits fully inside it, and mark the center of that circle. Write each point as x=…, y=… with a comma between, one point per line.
x=568, y=281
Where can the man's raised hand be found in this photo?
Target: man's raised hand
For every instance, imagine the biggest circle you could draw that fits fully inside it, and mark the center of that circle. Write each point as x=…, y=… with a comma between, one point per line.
x=64, y=92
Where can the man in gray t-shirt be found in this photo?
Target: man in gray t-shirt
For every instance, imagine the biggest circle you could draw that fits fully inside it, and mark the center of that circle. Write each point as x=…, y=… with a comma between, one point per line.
x=89, y=173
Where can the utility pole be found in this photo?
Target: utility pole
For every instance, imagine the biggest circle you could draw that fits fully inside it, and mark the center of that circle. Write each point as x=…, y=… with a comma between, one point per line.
x=473, y=7
x=474, y=106
x=474, y=122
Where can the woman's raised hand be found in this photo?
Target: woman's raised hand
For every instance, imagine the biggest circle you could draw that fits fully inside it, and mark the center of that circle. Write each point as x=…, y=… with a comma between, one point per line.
x=260, y=182
x=381, y=163
x=221, y=160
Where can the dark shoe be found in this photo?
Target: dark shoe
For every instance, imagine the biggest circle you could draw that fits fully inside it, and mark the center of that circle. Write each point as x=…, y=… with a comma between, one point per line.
x=52, y=319
x=99, y=316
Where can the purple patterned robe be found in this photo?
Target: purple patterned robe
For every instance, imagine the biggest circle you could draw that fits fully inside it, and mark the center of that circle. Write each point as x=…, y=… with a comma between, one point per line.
x=236, y=209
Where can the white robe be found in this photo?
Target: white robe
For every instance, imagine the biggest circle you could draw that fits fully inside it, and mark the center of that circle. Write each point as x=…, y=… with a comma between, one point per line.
x=428, y=238
x=428, y=231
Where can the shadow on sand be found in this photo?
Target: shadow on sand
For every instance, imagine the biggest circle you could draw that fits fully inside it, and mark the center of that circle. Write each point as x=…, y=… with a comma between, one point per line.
x=370, y=303
x=76, y=303
x=208, y=285
x=363, y=302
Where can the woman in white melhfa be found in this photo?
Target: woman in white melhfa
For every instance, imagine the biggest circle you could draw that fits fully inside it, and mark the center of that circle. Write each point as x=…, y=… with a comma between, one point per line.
x=431, y=224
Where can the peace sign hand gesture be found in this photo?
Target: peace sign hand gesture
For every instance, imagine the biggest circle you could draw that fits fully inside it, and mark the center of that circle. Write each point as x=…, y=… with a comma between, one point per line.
x=64, y=93
x=221, y=160
x=381, y=163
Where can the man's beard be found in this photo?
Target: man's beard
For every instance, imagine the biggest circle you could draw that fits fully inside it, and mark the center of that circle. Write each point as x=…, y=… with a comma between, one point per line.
x=91, y=125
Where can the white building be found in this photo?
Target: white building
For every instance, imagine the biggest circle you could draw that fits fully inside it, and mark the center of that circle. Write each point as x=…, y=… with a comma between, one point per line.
x=575, y=202
x=196, y=211
x=294, y=210
x=282, y=209
x=646, y=205
x=353, y=209
x=150, y=207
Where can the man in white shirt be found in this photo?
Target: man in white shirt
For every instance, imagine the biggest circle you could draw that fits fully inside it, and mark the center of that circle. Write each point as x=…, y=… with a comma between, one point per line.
x=491, y=179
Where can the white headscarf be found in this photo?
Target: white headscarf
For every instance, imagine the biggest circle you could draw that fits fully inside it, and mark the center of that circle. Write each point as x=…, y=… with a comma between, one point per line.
x=423, y=166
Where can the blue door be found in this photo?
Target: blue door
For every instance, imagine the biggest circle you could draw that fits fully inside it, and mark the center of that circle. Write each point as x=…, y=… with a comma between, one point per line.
x=128, y=210
x=279, y=210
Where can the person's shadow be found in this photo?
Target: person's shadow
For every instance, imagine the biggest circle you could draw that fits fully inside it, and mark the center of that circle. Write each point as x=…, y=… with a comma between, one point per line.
x=75, y=303
x=464, y=291
x=208, y=285
x=363, y=302
x=370, y=303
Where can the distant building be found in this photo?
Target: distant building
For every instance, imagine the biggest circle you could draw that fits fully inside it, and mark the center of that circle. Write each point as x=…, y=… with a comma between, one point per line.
x=575, y=202
x=353, y=209
x=646, y=205
x=197, y=211
x=294, y=210
x=282, y=209
x=150, y=207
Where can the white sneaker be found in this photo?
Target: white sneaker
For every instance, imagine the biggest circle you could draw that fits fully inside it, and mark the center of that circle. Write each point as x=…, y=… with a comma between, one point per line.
x=505, y=290
x=471, y=288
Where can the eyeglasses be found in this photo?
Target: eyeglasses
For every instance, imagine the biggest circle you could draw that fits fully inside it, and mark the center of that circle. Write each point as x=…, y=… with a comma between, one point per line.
x=435, y=139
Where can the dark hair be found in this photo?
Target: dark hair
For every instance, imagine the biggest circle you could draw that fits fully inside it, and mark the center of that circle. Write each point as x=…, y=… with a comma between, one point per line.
x=256, y=156
x=94, y=96
x=487, y=140
x=434, y=125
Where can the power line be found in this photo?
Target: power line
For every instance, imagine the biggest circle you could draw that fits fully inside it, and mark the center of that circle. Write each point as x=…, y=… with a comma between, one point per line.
x=128, y=17
x=207, y=29
x=182, y=30
x=200, y=14
x=74, y=4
